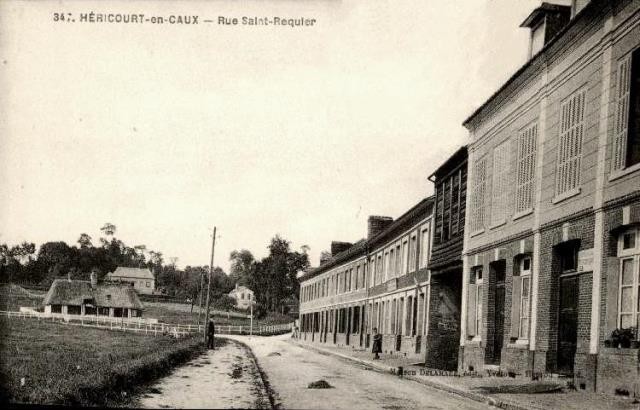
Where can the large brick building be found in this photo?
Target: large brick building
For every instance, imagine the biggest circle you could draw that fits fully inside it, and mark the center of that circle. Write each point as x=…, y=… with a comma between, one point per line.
x=552, y=245
x=378, y=282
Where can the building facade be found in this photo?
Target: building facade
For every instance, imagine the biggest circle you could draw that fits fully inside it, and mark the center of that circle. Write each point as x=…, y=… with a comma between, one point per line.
x=380, y=282
x=243, y=296
x=445, y=264
x=141, y=279
x=551, y=245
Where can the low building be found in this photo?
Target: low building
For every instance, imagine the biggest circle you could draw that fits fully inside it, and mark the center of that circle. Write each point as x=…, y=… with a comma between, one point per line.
x=243, y=295
x=81, y=297
x=379, y=282
x=141, y=279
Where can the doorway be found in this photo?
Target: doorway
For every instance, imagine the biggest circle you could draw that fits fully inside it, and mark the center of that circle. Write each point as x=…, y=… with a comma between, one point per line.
x=497, y=270
x=567, y=324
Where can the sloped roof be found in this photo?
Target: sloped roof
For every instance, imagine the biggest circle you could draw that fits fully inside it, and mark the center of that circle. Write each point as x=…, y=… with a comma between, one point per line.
x=75, y=292
x=135, y=273
x=240, y=288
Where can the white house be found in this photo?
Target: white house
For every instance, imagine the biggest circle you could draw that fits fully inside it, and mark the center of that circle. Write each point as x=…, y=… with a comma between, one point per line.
x=243, y=295
x=141, y=279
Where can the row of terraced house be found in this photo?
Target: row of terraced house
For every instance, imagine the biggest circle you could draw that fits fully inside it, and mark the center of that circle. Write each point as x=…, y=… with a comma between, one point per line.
x=526, y=260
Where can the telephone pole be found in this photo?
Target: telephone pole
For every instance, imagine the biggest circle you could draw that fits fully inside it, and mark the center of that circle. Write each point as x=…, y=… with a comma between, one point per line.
x=213, y=248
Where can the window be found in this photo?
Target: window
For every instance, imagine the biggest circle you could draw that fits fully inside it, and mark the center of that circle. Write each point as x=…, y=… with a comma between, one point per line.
x=148, y=284
x=500, y=190
x=413, y=247
x=629, y=280
x=478, y=318
x=242, y=296
x=479, y=188
x=405, y=257
x=525, y=297
x=398, y=266
x=570, y=143
x=626, y=142
x=424, y=245
x=525, y=174
x=568, y=257
x=392, y=263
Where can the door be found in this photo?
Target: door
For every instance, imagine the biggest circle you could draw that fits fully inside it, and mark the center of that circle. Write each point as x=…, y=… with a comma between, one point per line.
x=498, y=337
x=498, y=270
x=567, y=324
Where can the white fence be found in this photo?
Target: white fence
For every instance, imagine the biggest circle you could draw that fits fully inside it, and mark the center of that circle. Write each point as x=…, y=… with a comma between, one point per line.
x=146, y=326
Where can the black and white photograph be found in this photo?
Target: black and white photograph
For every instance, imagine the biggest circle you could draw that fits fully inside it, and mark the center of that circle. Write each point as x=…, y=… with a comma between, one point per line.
x=320, y=204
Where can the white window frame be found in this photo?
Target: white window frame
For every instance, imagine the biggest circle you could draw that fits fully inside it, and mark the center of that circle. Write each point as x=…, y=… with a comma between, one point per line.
x=631, y=254
x=525, y=274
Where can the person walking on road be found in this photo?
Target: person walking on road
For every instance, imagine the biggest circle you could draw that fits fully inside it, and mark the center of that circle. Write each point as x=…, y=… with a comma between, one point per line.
x=211, y=330
x=377, y=344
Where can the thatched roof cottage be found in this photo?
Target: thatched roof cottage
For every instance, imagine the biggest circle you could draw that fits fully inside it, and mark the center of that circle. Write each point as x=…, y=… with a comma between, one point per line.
x=80, y=297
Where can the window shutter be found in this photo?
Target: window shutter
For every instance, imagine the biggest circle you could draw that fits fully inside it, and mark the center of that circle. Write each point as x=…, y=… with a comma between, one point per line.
x=500, y=190
x=471, y=310
x=623, y=88
x=527, y=145
x=515, y=306
x=570, y=143
x=478, y=195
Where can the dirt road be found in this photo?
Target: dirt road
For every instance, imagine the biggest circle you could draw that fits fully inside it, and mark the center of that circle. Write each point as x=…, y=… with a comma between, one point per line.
x=223, y=378
x=291, y=368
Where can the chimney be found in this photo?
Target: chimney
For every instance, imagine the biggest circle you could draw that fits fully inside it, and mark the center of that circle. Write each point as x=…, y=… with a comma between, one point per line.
x=94, y=279
x=324, y=257
x=545, y=22
x=376, y=224
x=338, y=247
x=69, y=276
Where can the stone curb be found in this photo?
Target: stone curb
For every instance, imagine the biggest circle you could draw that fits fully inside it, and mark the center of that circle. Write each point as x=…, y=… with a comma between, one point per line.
x=481, y=398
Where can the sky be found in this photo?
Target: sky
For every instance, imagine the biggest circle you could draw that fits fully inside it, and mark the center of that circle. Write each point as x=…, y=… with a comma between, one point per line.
x=168, y=130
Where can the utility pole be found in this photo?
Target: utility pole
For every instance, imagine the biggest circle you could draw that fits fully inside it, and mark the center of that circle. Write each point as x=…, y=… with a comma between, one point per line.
x=200, y=298
x=206, y=318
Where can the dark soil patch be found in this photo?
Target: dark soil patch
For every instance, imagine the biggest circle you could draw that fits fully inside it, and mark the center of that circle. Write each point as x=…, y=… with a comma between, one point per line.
x=236, y=373
x=274, y=354
x=155, y=390
x=319, y=384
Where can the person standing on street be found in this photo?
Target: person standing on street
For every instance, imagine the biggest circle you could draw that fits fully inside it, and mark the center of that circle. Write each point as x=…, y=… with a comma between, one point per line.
x=377, y=344
x=211, y=330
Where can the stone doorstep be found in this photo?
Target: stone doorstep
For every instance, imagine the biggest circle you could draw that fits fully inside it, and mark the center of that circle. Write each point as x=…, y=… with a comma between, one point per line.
x=479, y=397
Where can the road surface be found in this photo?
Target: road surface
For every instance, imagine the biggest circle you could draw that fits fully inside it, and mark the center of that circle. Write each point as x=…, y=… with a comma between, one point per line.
x=290, y=368
x=223, y=378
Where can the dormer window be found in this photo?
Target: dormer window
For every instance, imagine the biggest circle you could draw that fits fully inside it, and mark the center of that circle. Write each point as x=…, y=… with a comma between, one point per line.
x=545, y=22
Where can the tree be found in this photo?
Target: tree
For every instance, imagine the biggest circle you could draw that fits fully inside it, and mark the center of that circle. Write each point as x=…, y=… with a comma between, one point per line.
x=108, y=229
x=85, y=241
x=274, y=278
x=242, y=266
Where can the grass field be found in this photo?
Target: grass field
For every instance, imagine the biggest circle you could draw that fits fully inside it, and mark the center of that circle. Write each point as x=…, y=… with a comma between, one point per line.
x=170, y=313
x=63, y=364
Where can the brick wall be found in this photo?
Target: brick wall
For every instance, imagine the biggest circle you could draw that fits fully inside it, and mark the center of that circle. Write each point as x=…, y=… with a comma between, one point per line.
x=443, y=338
x=580, y=228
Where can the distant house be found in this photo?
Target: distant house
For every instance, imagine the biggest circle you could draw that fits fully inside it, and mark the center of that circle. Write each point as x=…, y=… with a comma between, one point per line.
x=243, y=295
x=80, y=297
x=141, y=279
